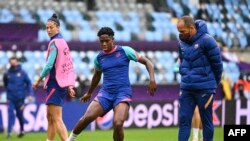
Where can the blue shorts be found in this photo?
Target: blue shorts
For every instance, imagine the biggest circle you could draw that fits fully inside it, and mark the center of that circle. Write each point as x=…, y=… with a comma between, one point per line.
x=55, y=94
x=109, y=100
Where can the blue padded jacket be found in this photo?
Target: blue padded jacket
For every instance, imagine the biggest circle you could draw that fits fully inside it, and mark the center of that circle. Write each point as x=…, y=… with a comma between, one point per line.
x=201, y=65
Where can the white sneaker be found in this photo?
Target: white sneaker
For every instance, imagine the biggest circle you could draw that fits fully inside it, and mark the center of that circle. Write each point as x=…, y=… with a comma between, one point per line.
x=70, y=139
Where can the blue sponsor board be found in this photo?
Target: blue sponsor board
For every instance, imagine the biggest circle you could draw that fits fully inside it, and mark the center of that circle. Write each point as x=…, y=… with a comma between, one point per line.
x=35, y=116
x=146, y=114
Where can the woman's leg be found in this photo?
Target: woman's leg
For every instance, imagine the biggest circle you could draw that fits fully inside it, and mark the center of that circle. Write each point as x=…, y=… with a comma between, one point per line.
x=93, y=111
x=55, y=123
x=120, y=115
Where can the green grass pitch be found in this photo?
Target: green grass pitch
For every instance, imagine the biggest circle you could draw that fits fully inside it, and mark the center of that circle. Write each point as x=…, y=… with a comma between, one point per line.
x=155, y=134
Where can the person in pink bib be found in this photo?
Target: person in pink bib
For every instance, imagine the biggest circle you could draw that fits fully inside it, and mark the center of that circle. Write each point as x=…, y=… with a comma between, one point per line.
x=59, y=79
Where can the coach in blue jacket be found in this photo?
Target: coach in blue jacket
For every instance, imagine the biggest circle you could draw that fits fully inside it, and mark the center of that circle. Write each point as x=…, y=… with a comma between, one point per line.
x=17, y=85
x=201, y=70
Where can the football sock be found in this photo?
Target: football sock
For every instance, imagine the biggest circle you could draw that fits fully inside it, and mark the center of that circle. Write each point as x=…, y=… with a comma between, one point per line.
x=201, y=133
x=195, y=133
x=72, y=137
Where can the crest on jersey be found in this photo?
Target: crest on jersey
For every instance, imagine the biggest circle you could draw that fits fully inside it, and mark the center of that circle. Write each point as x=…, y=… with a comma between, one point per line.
x=196, y=46
x=19, y=74
x=118, y=54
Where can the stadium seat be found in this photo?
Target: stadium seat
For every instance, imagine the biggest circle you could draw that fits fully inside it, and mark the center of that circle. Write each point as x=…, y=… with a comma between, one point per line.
x=131, y=20
x=6, y=15
x=26, y=15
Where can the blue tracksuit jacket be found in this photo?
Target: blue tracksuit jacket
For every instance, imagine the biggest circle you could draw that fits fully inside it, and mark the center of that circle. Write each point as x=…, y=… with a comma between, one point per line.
x=17, y=84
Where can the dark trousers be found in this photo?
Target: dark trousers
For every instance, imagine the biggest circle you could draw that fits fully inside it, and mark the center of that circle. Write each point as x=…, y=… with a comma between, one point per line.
x=188, y=101
x=15, y=106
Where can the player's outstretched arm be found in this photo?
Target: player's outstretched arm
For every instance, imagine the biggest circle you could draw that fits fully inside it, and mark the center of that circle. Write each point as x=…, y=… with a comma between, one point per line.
x=95, y=80
x=150, y=67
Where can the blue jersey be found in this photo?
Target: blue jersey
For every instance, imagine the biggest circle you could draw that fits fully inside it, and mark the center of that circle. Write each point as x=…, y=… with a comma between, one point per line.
x=115, y=68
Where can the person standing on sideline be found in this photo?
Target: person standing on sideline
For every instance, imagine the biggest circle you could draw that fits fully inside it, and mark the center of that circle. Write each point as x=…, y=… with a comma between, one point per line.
x=201, y=70
x=59, y=79
x=17, y=85
x=115, y=93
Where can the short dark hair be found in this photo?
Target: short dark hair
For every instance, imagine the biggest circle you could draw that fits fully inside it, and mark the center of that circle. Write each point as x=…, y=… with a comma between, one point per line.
x=188, y=21
x=13, y=58
x=55, y=19
x=105, y=30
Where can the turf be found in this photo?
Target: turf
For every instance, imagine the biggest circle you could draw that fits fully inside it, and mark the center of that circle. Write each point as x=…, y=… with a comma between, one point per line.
x=156, y=134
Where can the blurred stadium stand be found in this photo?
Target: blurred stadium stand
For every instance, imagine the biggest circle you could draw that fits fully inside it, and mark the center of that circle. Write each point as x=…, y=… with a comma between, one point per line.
x=146, y=20
x=133, y=20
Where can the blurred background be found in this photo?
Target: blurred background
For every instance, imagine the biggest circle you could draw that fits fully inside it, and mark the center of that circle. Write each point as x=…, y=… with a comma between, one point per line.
x=148, y=26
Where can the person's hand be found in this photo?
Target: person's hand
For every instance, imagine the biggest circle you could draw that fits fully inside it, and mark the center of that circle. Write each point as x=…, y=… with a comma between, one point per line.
x=152, y=87
x=86, y=97
x=22, y=107
x=30, y=98
x=71, y=92
x=35, y=85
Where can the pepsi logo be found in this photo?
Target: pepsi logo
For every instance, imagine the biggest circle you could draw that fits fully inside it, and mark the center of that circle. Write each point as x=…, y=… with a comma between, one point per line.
x=105, y=122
